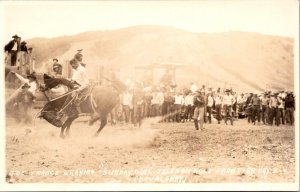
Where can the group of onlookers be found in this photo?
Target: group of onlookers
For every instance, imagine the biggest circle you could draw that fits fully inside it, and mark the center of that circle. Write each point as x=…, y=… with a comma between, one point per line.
x=270, y=107
x=206, y=105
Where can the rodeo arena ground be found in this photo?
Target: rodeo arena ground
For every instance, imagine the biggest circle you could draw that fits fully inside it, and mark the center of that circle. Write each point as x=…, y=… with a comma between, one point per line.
x=114, y=131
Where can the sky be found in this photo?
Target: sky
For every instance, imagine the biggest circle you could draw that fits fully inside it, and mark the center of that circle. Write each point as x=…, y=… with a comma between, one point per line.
x=49, y=19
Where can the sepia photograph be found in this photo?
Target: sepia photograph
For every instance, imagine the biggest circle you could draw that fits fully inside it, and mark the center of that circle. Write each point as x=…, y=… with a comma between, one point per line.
x=150, y=95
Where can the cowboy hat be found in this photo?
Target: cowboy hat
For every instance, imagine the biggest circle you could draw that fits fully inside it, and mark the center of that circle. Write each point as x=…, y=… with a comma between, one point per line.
x=23, y=42
x=15, y=36
x=55, y=59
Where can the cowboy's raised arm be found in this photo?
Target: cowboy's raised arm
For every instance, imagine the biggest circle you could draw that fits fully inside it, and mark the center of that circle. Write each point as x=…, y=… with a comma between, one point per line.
x=24, y=80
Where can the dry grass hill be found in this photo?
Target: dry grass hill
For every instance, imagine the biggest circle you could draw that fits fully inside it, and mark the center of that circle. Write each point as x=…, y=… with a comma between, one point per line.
x=246, y=61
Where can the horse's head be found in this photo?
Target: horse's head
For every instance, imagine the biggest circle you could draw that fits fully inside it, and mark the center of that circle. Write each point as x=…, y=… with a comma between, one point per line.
x=117, y=83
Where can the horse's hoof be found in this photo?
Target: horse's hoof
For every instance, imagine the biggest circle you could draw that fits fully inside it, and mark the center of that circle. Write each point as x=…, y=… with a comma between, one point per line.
x=96, y=134
x=62, y=136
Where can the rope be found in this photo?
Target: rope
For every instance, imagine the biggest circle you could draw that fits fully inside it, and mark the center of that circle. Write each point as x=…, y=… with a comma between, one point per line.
x=67, y=104
x=63, y=95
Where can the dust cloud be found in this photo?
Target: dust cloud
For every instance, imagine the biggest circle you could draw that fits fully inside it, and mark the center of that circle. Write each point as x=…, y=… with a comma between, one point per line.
x=82, y=137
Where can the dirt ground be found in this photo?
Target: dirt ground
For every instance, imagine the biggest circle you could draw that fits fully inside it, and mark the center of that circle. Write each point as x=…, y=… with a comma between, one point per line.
x=153, y=153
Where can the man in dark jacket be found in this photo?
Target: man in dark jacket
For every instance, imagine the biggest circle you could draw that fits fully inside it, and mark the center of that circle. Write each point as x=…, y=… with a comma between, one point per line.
x=290, y=108
x=23, y=46
x=12, y=48
x=199, y=103
x=256, y=104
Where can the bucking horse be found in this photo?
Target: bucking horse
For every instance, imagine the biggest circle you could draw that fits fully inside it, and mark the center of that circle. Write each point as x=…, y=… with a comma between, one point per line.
x=98, y=100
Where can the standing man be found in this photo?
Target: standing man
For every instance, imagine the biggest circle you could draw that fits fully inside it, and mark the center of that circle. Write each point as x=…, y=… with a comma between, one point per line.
x=218, y=105
x=227, y=104
x=12, y=48
x=255, y=101
x=199, y=103
x=24, y=104
x=264, y=108
x=23, y=46
x=138, y=106
x=273, y=104
x=281, y=110
x=189, y=105
x=290, y=108
x=210, y=103
x=126, y=102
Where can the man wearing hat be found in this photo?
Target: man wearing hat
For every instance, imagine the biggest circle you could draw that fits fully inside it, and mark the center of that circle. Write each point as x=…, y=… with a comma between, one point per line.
x=264, y=108
x=228, y=101
x=273, y=105
x=256, y=105
x=23, y=46
x=199, y=103
x=218, y=106
x=24, y=104
x=30, y=80
x=30, y=50
x=290, y=108
x=56, y=68
x=78, y=56
x=193, y=87
x=12, y=48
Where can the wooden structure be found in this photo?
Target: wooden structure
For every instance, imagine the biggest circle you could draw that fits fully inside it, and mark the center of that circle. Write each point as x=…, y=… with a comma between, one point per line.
x=154, y=71
x=26, y=64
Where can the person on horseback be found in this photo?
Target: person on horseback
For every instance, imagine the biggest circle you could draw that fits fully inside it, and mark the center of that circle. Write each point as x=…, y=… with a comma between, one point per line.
x=80, y=78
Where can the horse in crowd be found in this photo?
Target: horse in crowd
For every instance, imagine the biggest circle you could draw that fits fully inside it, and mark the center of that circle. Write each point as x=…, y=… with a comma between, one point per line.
x=97, y=99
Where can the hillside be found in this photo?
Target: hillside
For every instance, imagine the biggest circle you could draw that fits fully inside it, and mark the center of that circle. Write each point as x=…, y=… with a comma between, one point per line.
x=245, y=61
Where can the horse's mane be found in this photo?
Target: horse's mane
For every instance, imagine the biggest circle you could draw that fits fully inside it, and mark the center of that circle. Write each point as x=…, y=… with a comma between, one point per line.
x=118, y=85
x=51, y=82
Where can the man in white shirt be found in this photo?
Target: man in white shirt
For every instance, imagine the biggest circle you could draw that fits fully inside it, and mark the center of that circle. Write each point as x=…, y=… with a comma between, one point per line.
x=210, y=103
x=156, y=102
x=193, y=87
x=79, y=76
x=179, y=101
x=228, y=101
x=189, y=105
x=127, y=107
x=218, y=106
